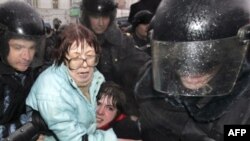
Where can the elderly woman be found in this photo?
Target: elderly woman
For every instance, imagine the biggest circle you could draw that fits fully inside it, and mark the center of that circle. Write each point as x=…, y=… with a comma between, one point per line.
x=65, y=93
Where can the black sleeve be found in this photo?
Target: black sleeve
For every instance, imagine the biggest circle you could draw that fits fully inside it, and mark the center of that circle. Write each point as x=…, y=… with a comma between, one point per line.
x=1, y=99
x=30, y=130
x=25, y=133
x=127, y=129
x=6, y=118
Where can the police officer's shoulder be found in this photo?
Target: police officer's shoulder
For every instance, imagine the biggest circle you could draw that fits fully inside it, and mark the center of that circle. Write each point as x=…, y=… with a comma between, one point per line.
x=128, y=39
x=127, y=34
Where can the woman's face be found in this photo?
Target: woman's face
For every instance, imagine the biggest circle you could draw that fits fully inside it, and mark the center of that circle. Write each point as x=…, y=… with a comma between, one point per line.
x=83, y=73
x=105, y=111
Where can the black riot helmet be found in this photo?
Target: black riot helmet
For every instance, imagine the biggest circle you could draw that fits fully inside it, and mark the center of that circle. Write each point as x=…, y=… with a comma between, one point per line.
x=19, y=20
x=199, y=46
x=97, y=8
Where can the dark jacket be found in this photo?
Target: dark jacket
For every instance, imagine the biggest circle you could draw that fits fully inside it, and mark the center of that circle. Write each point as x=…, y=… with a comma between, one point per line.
x=117, y=48
x=124, y=127
x=143, y=45
x=127, y=129
x=14, y=88
x=188, y=118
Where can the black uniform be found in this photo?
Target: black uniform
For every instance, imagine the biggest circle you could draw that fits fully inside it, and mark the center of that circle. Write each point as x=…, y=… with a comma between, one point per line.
x=14, y=87
x=189, y=119
x=141, y=44
x=195, y=37
x=18, y=20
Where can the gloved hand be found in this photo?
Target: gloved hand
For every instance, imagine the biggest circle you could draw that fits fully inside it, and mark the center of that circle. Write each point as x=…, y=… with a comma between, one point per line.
x=31, y=130
x=39, y=123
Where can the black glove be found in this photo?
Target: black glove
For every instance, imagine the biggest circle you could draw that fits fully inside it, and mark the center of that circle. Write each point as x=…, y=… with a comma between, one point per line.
x=127, y=129
x=31, y=130
x=39, y=123
x=24, y=133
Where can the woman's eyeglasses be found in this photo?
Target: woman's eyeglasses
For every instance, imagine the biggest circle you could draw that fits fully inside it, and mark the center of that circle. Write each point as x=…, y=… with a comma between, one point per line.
x=76, y=63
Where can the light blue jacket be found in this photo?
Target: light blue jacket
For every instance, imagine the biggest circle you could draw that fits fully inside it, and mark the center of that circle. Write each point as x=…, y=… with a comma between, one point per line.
x=64, y=108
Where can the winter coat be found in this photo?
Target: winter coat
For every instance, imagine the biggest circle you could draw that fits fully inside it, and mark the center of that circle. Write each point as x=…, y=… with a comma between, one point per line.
x=116, y=46
x=64, y=108
x=14, y=88
x=143, y=45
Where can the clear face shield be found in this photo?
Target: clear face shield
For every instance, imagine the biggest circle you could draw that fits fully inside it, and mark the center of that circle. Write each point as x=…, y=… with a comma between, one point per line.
x=197, y=68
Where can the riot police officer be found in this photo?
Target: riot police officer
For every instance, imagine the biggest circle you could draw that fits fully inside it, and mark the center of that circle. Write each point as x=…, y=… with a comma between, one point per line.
x=140, y=30
x=22, y=34
x=198, y=80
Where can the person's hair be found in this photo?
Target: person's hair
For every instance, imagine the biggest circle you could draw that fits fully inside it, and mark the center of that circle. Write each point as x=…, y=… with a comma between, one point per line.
x=68, y=35
x=112, y=90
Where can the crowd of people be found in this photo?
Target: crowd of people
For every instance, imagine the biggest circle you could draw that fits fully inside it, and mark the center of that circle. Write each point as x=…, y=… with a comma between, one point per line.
x=181, y=73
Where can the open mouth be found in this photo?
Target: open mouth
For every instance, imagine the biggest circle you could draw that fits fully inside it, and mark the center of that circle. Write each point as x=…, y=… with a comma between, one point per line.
x=83, y=74
x=99, y=120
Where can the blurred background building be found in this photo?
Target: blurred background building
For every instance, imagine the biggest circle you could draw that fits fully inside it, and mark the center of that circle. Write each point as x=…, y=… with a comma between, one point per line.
x=68, y=10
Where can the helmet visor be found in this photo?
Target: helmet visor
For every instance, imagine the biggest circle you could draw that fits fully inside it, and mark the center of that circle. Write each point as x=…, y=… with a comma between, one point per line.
x=198, y=68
